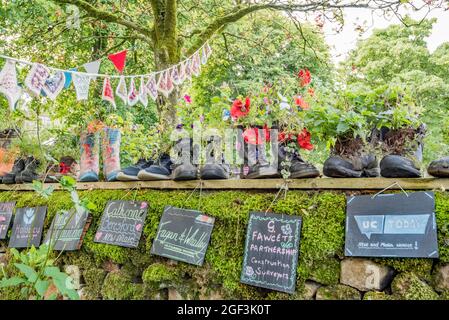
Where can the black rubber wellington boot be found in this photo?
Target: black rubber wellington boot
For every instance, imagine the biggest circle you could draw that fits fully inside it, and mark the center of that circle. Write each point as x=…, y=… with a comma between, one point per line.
x=10, y=178
x=29, y=174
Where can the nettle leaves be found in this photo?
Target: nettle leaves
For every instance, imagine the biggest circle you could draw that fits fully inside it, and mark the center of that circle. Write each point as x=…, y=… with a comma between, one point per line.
x=38, y=277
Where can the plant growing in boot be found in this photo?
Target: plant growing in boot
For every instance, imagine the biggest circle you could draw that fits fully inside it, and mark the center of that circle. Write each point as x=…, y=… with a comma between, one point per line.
x=346, y=128
x=400, y=133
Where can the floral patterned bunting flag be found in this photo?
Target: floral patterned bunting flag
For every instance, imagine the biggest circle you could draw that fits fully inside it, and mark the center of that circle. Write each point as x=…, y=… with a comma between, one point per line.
x=133, y=95
x=108, y=93
x=54, y=85
x=122, y=91
x=151, y=87
x=36, y=78
x=8, y=83
x=143, y=94
x=81, y=83
x=196, y=64
x=174, y=75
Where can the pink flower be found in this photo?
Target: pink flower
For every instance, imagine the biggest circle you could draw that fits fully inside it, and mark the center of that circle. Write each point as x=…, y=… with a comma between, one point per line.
x=188, y=99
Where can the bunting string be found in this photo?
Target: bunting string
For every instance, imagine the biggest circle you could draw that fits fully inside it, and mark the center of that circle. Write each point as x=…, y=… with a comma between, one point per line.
x=94, y=75
x=49, y=82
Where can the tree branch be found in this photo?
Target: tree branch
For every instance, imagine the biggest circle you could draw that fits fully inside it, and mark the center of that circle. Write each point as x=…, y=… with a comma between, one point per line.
x=144, y=33
x=219, y=23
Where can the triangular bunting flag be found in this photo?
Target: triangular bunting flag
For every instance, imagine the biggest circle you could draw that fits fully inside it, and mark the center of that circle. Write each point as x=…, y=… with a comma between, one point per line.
x=165, y=85
x=35, y=79
x=174, y=74
x=92, y=67
x=182, y=73
x=151, y=87
x=118, y=59
x=133, y=95
x=108, y=93
x=188, y=69
x=143, y=95
x=8, y=83
x=54, y=85
x=68, y=78
x=203, y=56
x=208, y=50
x=196, y=64
x=122, y=91
x=81, y=83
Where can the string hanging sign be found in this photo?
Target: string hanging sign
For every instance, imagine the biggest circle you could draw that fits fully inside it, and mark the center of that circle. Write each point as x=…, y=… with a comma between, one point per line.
x=49, y=82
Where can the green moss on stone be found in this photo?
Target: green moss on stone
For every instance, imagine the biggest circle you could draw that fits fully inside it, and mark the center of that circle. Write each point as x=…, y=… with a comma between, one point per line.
x=337, y=292
x=321, y=246
x=407, y=286
x=118, y=286
x=376, y=295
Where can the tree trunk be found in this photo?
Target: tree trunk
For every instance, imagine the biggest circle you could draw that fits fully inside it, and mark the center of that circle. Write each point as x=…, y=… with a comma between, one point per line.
x=166, y=54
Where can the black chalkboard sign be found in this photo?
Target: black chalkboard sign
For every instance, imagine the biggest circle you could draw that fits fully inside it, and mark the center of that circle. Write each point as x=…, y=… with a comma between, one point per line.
x=271, y=251
x=183, y=235
x=6, y=209
x=27, y=228
x=391, y=225
x=122, y=223
x=66, y=230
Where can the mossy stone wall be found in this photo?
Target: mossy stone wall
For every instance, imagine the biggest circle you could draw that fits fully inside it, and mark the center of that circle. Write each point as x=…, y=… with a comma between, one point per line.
x=111, y=272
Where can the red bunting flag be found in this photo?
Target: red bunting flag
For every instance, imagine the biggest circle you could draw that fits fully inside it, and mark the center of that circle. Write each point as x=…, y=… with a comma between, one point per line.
x=118, y=59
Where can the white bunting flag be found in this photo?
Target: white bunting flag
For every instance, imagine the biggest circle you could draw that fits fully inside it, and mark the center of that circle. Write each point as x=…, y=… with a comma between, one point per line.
x=54, y=85
x=35, y=79
x=133, y=94
x=143, y=94
x=92, y=67
x=122, y=91
x=8, y=83
x=81, y=83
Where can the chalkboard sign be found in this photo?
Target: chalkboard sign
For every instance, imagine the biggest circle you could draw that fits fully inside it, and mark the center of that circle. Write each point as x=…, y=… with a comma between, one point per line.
x=122, y=223
x=27, y=228
x=271, y=251
x=67, y=230
x=6, y=209
x=391, y=225
x=183, y=235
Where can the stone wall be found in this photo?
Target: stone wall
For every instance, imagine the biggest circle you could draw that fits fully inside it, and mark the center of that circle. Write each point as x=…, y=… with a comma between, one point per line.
x=108, y=272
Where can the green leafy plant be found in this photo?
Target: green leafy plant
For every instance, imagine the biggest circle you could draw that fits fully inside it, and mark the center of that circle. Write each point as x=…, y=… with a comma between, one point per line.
x=37, y=273
x=37, y=270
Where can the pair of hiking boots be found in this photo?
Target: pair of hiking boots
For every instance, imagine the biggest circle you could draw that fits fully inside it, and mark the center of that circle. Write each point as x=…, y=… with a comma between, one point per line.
x=26, y=171
x=179, y=169
x=396, y=164
x=287, y=160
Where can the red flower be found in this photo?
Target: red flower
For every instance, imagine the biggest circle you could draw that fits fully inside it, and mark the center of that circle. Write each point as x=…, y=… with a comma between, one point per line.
x=239, y=110
x=300, y=102
x=304, y=140
x=304, y=77
x=254, y=135
x=63, y=168
x=283, y=136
